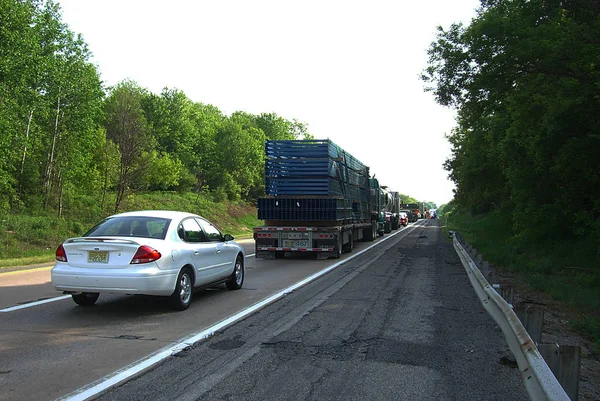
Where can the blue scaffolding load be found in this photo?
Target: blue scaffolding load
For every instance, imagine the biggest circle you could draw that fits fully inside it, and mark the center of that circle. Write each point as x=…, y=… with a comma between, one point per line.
x=313, y=180
x=306, y=209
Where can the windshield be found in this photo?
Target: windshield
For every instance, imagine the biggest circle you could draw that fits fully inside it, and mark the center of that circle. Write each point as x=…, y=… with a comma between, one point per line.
x=130, y=226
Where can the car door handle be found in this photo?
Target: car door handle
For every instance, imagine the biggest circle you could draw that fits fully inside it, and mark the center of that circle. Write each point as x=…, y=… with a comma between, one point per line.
x=218, y=251
x=196, y=253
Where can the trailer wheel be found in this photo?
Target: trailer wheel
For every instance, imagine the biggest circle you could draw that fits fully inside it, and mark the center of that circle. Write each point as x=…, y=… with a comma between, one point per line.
x=369, y=234
x=349, y=245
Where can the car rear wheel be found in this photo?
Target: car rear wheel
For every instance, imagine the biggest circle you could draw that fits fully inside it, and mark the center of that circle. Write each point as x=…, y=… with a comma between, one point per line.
x=85, y=298
x=182, y=296
x=236, y=280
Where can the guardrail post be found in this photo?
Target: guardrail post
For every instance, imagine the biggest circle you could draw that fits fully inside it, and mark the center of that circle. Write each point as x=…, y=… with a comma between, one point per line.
x=473, y=252
x=491, y=277
x=564, y=361
x=507, y=292
x=532, y=318
x=485, y=268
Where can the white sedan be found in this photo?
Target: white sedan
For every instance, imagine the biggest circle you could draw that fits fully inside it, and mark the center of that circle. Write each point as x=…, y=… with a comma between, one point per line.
x=151, y=252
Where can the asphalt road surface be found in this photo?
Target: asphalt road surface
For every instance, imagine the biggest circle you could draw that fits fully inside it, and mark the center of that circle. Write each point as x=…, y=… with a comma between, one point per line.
x=51, y=348
x=398, y=322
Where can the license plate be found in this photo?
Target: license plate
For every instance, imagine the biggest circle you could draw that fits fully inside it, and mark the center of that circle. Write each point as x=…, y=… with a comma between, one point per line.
x=98, y=256
x=296, y=244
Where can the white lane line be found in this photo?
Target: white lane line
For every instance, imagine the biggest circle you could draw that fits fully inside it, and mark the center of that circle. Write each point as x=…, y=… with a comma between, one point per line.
x=29, y=305
x=143, y=364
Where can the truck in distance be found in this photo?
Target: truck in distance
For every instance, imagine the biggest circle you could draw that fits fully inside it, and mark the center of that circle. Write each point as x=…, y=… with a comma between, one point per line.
x=319, y=199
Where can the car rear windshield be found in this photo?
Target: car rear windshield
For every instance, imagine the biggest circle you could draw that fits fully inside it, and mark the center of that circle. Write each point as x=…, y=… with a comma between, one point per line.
x=130, y=226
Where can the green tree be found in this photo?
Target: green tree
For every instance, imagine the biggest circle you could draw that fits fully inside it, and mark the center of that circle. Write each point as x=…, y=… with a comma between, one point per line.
x=16, y=43
x=207, y=120
x=523, y=76
x=50, y=97
x=127, y=127
x=73, y=128
x=240, y=154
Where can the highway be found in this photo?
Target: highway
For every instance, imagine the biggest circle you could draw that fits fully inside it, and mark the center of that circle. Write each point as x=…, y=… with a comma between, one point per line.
x=398, y=321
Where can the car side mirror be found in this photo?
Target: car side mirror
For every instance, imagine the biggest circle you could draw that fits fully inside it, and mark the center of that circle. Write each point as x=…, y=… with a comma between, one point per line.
x=228, y=237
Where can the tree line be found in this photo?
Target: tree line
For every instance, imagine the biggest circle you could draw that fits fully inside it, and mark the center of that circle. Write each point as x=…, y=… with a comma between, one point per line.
x=64, y=135
x=524, y=76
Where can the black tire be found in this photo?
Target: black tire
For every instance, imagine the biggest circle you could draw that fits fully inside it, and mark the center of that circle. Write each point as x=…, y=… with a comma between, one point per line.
x=368, y=234
x=184, y=290
x=85, y=298
x=349, y=246
x=236, y=280
x=395, y=224
x=338, y=248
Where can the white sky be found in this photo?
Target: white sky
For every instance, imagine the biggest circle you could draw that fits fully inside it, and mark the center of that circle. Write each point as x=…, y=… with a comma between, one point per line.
x=348, y=69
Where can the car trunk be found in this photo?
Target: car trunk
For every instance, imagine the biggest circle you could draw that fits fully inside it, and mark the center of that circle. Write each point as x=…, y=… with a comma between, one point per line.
x=102, y=253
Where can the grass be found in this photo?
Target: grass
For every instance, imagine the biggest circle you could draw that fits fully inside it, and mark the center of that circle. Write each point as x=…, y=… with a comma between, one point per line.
x=27, y=239
x=46, y=257
x=564, y=270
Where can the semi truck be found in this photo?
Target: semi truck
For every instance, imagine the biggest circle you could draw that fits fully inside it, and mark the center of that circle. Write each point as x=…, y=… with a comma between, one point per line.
x=318, y=199
x=392, y=210
x=378, y=201
x=418, y=209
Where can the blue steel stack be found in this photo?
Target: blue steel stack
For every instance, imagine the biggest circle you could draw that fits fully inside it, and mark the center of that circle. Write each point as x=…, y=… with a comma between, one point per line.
x=313, y=180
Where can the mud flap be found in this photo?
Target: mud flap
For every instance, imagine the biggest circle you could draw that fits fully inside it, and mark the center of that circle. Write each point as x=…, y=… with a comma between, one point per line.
x=270, y=255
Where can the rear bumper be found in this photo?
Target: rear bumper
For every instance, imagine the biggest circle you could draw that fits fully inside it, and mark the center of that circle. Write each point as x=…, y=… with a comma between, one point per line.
x=149, y=280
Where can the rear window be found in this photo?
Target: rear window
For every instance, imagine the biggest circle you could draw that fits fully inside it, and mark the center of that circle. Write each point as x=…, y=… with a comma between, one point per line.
x=131, y=226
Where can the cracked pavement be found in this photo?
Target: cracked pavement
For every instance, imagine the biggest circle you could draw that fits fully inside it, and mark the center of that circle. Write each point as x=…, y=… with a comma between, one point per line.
x=396, y=323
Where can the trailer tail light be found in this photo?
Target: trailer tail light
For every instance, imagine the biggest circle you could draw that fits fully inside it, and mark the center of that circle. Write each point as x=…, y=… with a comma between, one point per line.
x=264, y=235
x=145, y=254
x=61, y=255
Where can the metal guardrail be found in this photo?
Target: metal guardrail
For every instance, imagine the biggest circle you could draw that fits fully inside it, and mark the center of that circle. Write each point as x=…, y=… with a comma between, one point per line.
x=540, y=382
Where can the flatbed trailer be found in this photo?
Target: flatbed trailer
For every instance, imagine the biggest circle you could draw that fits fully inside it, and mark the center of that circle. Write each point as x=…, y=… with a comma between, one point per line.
x=317, y=199
x=274, y=239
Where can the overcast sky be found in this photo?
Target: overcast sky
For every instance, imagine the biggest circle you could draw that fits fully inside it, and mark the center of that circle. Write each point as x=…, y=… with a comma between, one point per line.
x=348, y=69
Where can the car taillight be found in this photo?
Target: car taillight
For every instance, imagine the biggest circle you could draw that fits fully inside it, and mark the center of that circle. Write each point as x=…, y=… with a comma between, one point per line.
x=61, y=255
x=145, y=254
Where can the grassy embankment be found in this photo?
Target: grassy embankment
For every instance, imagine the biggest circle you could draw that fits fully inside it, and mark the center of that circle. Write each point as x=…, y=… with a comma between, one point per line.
x=32, y=238
x=566, y=270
